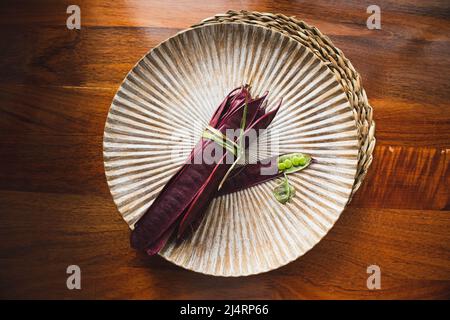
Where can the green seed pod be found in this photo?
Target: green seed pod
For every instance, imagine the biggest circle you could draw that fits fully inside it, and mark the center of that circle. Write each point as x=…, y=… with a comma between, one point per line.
x=298, y=161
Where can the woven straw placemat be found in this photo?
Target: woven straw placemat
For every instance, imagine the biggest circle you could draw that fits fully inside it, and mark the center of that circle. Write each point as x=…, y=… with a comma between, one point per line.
x=344, y=71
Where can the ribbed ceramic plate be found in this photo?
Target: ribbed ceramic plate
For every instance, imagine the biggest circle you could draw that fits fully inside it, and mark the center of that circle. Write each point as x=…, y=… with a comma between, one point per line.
x=164, y=103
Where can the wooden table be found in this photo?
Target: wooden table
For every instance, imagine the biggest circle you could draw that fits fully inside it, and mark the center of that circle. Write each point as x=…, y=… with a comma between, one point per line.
x=56, y=209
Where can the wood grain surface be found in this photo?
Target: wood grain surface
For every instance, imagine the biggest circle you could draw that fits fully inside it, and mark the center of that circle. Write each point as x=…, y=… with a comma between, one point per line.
x=56, y=86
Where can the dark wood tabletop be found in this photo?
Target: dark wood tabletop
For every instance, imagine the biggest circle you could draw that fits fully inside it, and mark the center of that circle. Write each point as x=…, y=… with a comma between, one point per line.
x=55, y=207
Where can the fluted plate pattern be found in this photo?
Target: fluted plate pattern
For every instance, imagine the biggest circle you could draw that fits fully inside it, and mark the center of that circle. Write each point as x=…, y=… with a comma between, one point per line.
x=166, y=100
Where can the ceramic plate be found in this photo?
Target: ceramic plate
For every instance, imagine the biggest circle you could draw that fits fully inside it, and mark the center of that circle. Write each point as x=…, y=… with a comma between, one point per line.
x=166, y=100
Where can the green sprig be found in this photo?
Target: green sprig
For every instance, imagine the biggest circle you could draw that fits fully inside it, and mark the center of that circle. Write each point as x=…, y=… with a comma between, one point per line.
x=284, y=191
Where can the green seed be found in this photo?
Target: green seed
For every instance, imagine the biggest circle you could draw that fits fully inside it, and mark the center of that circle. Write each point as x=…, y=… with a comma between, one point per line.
x=288, y=163
x=303, y=160
x=296, y=161
x=281, y=166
